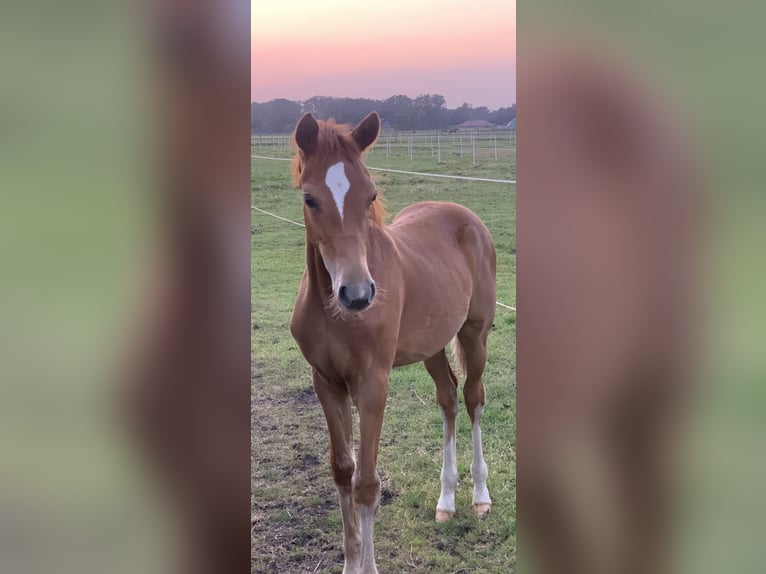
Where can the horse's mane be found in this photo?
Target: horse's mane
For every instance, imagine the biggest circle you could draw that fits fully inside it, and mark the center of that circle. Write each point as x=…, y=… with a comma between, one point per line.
x=333, y=140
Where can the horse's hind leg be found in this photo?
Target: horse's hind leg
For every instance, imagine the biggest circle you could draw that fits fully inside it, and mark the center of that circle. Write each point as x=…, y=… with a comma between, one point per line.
x=446, y=395
x=472, y=351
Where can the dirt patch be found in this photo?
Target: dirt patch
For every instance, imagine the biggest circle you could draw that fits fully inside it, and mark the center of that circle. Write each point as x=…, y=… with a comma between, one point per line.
x=308, y=460
x=387, y=496
x=305, y=396
x=295, y=518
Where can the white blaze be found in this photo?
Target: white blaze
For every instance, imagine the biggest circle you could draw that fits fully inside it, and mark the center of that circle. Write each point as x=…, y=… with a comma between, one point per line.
x=338, y=184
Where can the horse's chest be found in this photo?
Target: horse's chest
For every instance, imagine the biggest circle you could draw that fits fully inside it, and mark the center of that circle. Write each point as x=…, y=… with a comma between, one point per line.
x=344, y=349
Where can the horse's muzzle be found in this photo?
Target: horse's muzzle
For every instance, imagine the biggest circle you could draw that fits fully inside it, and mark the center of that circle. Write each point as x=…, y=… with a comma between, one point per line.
x=356, y=298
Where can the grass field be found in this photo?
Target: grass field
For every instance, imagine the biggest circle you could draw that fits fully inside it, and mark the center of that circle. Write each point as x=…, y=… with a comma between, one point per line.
x=296, y=524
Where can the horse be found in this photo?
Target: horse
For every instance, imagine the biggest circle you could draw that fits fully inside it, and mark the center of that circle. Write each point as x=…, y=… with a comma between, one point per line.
x=376, y=296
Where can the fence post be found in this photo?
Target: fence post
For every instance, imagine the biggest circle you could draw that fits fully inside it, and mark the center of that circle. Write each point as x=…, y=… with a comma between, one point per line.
x=410, y=147
x=495, y=147
x=473, y=144
x=439, y=148
x=461, y=146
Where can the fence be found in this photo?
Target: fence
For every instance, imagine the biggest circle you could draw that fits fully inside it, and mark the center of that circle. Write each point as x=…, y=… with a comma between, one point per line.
x=469, y=145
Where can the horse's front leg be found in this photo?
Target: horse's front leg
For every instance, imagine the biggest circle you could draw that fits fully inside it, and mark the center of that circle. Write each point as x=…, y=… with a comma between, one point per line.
x=369, y=394
x=336, y=404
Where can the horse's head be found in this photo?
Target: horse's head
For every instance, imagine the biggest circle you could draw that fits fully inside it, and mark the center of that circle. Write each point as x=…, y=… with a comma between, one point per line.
x=339, y=202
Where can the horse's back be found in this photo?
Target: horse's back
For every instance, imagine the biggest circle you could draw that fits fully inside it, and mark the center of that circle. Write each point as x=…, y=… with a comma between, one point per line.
x=430, y=227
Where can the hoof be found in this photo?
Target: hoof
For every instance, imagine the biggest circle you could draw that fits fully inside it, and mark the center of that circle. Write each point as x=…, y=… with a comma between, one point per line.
x=443, y=515
x=481, y=510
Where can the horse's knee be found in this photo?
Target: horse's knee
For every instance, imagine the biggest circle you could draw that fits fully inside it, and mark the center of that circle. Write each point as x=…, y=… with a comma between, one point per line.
x=366, y=489
x=343, y=466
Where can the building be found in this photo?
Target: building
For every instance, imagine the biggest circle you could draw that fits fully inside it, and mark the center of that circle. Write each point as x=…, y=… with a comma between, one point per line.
x=475, y=124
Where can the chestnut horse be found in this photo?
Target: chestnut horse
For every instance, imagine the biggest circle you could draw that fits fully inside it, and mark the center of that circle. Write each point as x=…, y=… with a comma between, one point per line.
x=374, y=297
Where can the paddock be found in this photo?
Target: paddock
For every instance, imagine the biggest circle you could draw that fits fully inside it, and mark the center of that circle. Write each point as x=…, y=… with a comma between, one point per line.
x=295, y=514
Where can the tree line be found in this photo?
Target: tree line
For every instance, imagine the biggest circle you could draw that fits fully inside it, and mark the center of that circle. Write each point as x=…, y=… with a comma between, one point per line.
x=426, y=112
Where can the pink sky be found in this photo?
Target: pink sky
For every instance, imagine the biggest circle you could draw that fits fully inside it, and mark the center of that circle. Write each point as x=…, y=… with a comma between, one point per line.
x=376, y=49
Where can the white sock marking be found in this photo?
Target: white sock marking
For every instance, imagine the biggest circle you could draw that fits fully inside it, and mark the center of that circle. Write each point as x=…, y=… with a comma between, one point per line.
x=449, y=470
x=367, y=520
x=479, y=469
x=338, y=184
x=352, y=538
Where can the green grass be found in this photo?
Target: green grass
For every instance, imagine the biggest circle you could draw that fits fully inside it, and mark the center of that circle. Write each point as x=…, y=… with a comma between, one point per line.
x=296, y=518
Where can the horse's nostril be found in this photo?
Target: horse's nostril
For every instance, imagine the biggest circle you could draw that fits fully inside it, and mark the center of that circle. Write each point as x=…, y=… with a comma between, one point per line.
x=354, y=302
x=358, y=304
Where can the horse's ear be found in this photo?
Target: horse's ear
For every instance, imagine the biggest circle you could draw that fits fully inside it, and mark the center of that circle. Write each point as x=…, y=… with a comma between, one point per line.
x=366, y=131
x=306, y=134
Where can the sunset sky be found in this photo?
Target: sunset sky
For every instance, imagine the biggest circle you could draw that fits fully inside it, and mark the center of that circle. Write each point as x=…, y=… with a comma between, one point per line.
x=465, y=51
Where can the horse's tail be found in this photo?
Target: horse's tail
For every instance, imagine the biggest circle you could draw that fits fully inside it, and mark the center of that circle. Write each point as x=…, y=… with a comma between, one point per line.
x=458, y=353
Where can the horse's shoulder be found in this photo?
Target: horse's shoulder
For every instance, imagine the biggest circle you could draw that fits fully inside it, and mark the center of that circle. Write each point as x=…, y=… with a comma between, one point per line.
x=305, y=318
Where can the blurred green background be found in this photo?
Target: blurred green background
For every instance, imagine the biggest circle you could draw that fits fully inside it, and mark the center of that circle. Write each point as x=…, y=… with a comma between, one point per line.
x=75, y=225
x=707, y=58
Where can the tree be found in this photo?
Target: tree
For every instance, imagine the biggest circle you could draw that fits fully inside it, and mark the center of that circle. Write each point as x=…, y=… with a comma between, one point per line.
x=257, y=118
x=397, y=110
x=280, y=115
x=502, y=116
x=427, y=111
x=460, y=115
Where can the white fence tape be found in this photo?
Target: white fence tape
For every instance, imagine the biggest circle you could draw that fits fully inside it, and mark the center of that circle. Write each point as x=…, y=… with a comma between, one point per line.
x=277, y=216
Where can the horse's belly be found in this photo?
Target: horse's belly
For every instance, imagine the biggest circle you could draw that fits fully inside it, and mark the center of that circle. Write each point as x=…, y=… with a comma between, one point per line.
x=422, y=335
x=408, y=358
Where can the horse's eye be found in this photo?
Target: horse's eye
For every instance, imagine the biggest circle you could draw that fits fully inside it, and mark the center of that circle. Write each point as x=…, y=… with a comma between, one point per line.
x=309, y=201
x=374, y=197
